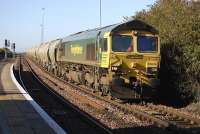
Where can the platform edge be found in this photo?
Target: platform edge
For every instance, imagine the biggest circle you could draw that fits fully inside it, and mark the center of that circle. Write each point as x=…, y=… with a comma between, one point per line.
x=57, y=129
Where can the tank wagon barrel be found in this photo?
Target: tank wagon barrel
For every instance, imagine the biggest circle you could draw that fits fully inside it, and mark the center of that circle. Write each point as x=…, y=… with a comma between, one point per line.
x=121, y=59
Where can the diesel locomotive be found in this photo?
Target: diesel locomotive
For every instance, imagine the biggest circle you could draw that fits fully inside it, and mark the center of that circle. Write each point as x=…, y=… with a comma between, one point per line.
x=121, y=60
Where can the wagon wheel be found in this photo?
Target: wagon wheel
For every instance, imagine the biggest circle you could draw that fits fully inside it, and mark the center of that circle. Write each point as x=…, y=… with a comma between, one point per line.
x=95, y=89
x=92, y=86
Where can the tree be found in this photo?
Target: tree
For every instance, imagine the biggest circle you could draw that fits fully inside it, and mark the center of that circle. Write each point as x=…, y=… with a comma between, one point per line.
x=178, y=23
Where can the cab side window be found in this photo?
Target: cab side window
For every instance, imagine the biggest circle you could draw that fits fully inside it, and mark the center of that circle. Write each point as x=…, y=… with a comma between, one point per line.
x=104, y=45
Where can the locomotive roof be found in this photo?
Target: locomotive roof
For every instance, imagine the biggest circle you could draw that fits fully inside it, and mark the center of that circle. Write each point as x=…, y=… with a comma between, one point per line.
x=130, y=25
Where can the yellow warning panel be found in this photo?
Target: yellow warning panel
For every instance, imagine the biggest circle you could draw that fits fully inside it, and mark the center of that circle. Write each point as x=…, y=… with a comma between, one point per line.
x=105, y=59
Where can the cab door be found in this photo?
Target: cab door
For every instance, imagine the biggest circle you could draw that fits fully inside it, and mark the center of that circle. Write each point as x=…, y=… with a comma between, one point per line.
x=105, y=47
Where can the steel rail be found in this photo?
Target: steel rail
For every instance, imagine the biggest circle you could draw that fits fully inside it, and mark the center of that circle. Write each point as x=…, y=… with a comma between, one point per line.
x=86, y=115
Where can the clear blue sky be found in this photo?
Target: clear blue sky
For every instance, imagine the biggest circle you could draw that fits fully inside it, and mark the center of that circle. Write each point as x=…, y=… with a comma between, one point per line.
x=20, y=19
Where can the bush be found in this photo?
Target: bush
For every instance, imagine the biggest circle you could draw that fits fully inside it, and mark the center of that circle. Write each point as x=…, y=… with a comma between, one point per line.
x=178, y=23
x=2, y=53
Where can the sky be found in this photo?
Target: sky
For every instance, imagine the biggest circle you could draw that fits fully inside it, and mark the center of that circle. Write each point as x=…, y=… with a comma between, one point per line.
x=20, y=20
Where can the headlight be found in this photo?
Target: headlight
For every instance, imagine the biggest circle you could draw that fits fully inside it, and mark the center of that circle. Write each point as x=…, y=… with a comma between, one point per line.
x=114, y=68
x=152, y=70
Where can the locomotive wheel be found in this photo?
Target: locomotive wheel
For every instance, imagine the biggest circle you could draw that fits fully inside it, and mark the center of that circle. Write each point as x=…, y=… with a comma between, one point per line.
x=111, y=97
x=104, y=91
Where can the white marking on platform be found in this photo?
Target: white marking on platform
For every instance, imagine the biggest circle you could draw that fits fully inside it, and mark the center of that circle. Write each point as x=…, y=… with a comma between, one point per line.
x=42, y=113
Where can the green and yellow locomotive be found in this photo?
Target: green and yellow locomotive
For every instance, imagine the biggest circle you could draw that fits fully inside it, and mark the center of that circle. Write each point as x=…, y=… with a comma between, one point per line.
x=121, y=59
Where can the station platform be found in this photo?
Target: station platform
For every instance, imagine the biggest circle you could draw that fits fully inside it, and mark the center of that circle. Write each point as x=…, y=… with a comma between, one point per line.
x=17, y=115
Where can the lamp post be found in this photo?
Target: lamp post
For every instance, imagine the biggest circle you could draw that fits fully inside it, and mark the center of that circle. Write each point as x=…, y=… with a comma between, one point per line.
x=42, y=26
x=100, y=21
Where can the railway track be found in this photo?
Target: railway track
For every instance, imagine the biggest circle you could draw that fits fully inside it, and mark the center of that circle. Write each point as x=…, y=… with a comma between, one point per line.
x=170, y=120
x=175, y=118
x=68, y=116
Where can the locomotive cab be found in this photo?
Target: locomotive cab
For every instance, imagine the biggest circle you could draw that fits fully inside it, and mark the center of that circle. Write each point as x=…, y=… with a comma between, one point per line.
x=134, y=64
